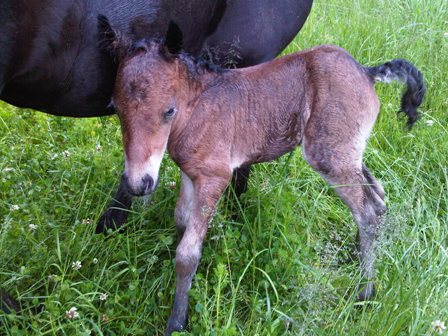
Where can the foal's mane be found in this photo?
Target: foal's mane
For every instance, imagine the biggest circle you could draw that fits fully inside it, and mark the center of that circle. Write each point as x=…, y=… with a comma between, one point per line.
x=195, y=65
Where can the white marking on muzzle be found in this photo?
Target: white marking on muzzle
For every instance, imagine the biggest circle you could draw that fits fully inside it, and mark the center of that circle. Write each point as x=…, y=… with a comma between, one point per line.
x=137, y=172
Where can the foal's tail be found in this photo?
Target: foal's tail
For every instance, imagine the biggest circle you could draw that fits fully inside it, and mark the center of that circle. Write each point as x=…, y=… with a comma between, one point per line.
x=403, y=71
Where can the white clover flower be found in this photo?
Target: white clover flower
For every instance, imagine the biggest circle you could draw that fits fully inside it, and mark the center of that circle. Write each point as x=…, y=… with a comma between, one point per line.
x=86, y=221
x=8, y=169
x=439, y=326
x=72, y=313
x=32, y=227
x=103, y=296
x=172, y=184
x=66, y=153
x=152, y=260
x=98, y=147
x=14, y=207
x=76, y=265
x=95, y=261
x=429, y=122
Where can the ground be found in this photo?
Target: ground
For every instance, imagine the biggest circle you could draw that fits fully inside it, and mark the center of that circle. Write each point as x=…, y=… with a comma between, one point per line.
x=283, y=266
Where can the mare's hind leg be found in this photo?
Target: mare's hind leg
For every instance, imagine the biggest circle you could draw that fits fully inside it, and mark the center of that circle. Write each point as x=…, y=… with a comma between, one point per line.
x=240, y=179
x=8, y=303
x=239, y=183
x=117, y=213
x=341, y=167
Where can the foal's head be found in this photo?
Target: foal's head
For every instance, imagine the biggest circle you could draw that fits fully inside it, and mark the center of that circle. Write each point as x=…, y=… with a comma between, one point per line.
x=145, y=99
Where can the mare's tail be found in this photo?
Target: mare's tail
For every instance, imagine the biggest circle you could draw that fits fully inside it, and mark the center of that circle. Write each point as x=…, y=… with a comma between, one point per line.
x=403, y=71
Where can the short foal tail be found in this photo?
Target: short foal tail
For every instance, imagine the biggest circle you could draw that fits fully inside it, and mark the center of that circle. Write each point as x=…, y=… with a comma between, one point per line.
x=403, y=71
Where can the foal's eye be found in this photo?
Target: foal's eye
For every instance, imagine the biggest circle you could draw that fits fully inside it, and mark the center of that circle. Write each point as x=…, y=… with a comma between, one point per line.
x=170, y=113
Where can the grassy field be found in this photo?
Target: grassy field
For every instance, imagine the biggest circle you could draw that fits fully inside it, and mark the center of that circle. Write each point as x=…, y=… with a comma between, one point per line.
x=283, y=267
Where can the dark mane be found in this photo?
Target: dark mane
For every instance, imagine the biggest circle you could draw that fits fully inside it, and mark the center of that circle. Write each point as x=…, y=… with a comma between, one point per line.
x=197, y=66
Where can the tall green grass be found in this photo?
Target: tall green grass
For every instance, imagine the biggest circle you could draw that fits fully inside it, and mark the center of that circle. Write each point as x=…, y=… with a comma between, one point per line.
x=284, y=267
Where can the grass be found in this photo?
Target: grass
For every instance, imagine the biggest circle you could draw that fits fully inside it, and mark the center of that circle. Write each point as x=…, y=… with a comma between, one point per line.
x=282, y=268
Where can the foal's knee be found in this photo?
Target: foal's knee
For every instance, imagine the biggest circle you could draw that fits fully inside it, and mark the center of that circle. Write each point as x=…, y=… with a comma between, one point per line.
x=187, y=260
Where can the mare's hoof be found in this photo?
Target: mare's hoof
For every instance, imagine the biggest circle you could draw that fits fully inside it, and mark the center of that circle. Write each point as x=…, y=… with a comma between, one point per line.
x=174, y=325
x=113, y=218
x=8, y=303
x=368, y=293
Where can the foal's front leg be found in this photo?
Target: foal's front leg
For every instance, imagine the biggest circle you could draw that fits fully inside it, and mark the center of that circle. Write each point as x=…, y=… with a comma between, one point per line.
x=184, y=205
x=206, y=192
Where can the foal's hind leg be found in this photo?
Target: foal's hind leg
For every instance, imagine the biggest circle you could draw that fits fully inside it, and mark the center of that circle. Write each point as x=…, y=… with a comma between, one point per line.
x=117, y=213
x=376, y=186
x=342, y=171
x=367, y=209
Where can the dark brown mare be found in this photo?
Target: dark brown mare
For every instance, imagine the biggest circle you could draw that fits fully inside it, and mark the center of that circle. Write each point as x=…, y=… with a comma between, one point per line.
x=213, y=122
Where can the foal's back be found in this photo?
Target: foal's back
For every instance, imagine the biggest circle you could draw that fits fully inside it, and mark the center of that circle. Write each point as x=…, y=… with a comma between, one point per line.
x=261, y=112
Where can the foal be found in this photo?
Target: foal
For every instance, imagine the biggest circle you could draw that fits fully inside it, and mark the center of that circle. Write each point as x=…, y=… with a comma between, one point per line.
x=213, y=122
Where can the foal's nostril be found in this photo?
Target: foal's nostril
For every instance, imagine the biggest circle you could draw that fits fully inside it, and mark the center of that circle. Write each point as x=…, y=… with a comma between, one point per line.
x=144, y=188
x=147, y=184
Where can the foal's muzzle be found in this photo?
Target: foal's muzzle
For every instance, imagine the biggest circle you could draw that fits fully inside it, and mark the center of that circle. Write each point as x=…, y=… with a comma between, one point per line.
x=144, y=187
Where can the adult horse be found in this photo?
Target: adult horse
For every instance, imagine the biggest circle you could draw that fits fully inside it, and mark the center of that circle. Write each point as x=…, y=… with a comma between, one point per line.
x=51, y=58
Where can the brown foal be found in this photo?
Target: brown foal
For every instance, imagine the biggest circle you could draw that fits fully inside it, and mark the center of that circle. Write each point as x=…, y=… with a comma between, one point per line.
x=214, y=121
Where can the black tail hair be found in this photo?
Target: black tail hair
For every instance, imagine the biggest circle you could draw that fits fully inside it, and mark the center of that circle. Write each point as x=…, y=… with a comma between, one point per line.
x=403, y=71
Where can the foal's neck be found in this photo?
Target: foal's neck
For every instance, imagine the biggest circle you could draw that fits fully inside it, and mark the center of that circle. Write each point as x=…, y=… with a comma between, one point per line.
x=193, y=82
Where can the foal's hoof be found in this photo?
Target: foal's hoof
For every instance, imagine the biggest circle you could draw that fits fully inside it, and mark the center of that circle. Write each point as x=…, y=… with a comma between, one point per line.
x=368, y=293
x=113, y=218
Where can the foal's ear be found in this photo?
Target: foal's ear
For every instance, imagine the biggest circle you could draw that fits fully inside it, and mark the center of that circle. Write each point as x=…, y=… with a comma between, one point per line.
x=174, y=38
x=112, y=40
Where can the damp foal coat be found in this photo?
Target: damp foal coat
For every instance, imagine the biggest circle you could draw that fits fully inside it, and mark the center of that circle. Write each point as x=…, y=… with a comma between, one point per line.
x=213, y=122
